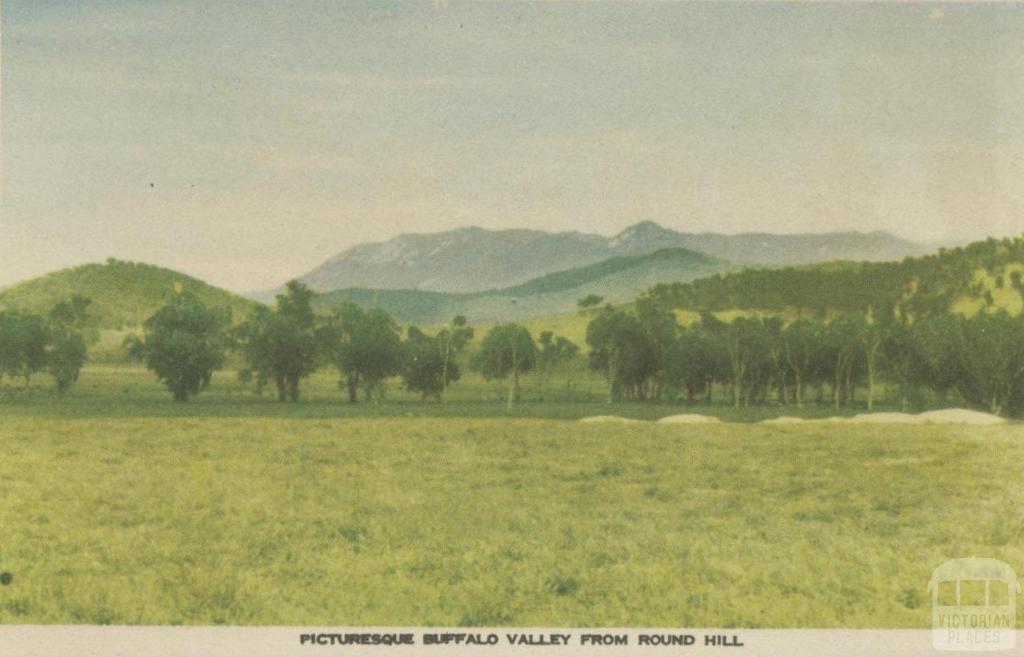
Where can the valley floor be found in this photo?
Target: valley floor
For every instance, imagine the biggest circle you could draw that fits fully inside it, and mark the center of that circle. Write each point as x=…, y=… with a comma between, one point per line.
x=468, y=521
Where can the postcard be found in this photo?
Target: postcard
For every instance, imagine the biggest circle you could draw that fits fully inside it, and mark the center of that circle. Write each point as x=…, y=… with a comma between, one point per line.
x=412, y=328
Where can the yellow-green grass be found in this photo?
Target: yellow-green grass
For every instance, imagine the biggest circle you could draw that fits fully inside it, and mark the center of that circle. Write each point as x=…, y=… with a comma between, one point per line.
x=494, y=521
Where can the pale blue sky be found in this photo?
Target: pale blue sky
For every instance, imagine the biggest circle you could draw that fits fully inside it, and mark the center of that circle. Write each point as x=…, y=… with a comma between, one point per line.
x=245, y=142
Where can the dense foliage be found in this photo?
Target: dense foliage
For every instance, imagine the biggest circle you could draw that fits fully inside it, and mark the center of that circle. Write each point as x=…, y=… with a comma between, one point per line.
x=365, y=346
x=282, y=345
x=31, y=343
x=915, y=287
x=508, y=351
x=646, y=354
x=184, y=343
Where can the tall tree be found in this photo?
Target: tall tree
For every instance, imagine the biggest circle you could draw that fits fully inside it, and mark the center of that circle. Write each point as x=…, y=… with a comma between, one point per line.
x=872, y=339
x=184, y=344
x=745, y=341
x=843, y=349
x=553, y=352
x=691, y=363
x=423, y=366
x=365, y=346
x=23, y=340
x=622, y=348
x=801, y=345
x=990, y=352
x=452, y=341
x=283, y=344
x=902, y=360
x=660, y=329
x=66, y=348
x=507, y=351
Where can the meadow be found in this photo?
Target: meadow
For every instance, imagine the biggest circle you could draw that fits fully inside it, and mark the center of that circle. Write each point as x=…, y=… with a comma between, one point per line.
x=119, y=506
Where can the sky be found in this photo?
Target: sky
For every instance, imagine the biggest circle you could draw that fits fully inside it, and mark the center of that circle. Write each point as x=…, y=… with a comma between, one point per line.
x=246, y=142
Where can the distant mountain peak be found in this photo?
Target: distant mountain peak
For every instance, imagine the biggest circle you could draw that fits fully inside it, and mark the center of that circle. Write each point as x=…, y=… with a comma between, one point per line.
x=475, y=259
x=644, y=237
x=643, y=226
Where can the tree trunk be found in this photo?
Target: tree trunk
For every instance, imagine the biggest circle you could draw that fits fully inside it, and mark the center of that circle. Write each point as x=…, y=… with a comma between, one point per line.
x=352, y=383
x=181, y=396
x=871, y=385
x=798, y=391
x=611, y=375
x=282, y=390
x=513, y=388
x=837, y=382
x=444, y=371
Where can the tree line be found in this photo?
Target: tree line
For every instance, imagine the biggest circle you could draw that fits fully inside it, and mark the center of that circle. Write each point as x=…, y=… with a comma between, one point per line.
x=185, y=342
x=52, y=343
x=644, y=353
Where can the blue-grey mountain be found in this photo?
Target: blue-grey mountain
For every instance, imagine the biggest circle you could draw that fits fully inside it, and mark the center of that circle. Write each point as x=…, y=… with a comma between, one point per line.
x=475, y=259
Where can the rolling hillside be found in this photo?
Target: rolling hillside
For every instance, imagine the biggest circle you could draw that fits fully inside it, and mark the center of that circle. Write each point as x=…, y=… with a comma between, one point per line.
x=124, y=294
x=472, y=260
x=981, y=276
x=616, y=279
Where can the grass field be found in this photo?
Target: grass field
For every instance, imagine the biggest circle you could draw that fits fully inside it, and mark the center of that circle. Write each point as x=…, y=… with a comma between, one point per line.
x=119, y=506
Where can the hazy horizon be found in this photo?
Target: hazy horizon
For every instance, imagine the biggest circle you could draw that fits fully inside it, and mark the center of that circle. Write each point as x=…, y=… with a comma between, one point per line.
x=246, y=146
x=303, y=268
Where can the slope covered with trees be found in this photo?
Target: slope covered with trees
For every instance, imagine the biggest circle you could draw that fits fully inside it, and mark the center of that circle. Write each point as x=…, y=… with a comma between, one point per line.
x=980, y=276
x=946, y=324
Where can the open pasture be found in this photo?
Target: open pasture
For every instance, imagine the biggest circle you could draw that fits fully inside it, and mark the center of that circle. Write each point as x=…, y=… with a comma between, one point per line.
x=502, y=521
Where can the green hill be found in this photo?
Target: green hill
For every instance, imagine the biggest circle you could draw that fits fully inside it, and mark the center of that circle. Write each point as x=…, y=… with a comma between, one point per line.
x=616, y=279
x=985, y=275
x=624, y=268
x=124, y=294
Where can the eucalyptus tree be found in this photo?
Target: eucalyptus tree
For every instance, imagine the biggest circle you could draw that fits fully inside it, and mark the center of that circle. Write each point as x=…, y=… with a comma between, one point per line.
x=365, y=346
x=508, y=351
x=184, y=343
x=283, y=344
x=553, y=351
x=452, y=340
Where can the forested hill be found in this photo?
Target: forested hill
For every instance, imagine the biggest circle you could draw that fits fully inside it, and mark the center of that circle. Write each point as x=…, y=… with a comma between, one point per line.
x=981, y=275
x=650, y=264
x=122, y=293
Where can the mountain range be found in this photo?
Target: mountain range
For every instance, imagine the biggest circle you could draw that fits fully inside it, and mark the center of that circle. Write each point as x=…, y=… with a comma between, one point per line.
x=487, y=275
x=616, y=280
x=469, y=260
